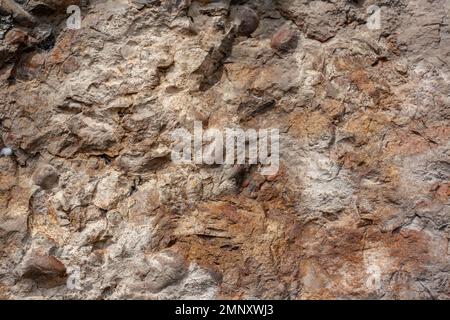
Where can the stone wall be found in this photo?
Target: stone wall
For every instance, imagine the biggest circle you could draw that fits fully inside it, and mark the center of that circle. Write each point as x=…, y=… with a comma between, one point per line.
x=92, y=207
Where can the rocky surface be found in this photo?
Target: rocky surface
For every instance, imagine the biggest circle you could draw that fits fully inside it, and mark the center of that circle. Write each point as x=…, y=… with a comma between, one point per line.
x=91, y=205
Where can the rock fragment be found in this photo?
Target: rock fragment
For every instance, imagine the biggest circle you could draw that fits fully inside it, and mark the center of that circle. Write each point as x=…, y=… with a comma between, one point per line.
x=46, y=177
x=16, y=37
x=246, y=20
x=284, y=39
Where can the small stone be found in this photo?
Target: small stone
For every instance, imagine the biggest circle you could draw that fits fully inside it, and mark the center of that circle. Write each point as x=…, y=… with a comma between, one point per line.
x=247, y=21
x=284, y=40
x=70, y=65
x=46, y=177
x=16, y=36
x=128, y=51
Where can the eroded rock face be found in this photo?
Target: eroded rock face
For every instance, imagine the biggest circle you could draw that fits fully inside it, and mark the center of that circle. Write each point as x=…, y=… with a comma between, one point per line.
x=92, y=207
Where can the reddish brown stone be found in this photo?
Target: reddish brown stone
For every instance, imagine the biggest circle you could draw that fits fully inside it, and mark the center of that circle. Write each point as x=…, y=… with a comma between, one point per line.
x=248, y=21
x=284, y=40
x=16, y=36
x=70, y=65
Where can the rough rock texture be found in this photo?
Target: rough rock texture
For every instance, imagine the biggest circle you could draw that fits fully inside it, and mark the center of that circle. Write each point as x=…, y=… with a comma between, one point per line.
x=91, y=205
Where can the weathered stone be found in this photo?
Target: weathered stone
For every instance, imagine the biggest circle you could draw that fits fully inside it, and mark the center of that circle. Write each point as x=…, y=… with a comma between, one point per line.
x=93, y=207
x=284, y=39
x=16, y=36
x=246, y=20
x=46, y=177
x=70, y=65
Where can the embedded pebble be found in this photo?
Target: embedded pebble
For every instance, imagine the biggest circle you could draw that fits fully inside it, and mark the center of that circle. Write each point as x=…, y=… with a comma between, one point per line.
x=46, y=177
x=284, y=40
x=247, y=21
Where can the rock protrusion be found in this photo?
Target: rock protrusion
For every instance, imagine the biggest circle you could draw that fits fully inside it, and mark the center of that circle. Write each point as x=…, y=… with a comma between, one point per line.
x=284, y=39
x=246, y=20
x=46, y=177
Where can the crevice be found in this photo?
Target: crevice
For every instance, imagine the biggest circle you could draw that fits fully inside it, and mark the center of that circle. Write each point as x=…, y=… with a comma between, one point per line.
x=212, y=67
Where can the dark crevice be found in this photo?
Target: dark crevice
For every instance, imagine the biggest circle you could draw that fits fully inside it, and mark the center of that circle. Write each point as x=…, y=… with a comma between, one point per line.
x=212, y=68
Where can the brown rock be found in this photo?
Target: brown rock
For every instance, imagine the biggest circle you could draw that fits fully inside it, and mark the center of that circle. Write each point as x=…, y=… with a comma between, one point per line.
x=358, y=210
x=70, y=65
x=247, y=21
x=284, y=40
